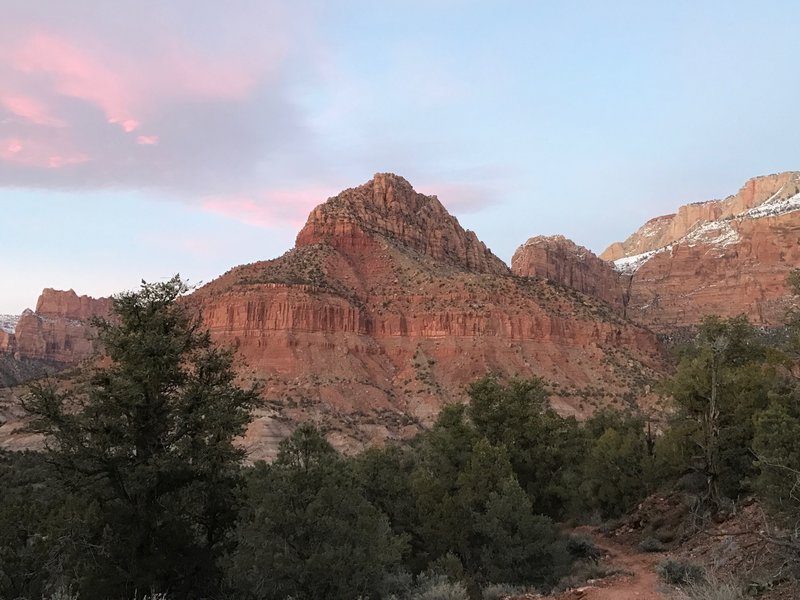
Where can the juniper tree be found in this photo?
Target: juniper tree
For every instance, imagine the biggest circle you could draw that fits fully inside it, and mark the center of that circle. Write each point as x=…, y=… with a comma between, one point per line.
x=147, y=435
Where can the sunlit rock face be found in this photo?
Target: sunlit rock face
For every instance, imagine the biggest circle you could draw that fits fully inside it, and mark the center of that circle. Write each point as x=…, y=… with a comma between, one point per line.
x=724, y=257
x=58, y=330
x=563, y=262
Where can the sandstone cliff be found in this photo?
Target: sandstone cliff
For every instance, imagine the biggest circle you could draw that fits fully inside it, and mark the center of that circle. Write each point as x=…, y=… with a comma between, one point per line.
x=563, y=262
x=58, y=330
x=387, y=207
x=385, y=310
x=724, y=257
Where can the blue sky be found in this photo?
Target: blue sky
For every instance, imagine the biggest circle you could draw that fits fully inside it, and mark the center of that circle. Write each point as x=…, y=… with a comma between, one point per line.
x=140, y=139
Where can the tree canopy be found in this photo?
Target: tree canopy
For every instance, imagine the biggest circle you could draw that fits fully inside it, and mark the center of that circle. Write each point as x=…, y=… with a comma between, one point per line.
x=147, y=437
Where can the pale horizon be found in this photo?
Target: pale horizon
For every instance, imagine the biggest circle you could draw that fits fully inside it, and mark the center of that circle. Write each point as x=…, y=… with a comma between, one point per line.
x=188, y=138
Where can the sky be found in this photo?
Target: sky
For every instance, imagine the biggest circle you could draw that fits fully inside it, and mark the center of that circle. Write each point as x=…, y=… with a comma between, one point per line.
x=142, y=138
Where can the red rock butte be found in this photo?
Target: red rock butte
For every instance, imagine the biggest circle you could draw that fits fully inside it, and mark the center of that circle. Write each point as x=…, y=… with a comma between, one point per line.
x=387, y=308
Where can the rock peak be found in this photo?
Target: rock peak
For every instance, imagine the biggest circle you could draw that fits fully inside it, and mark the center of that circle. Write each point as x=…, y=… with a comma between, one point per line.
x=560, y=260
x=388, y=209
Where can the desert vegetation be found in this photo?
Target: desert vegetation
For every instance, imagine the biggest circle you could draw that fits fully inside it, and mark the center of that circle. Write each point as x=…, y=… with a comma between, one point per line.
x=142, y=491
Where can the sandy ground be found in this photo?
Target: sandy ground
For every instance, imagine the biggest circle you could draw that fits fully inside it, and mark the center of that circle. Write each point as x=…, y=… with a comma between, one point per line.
x=641, y=584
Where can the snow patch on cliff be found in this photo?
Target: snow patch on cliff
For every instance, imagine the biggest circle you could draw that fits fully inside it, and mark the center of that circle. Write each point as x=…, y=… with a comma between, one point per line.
x=8, y=323
x=716, y=233
x=631, y=264
x=774, y=206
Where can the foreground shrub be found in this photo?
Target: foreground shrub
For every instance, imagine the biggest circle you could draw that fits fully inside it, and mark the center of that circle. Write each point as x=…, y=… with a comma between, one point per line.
x=439, y=587
x=583, y=547
x=651, y=544
x=681, y=572
x=712, y=590
x=308, y=532
x=501, y=591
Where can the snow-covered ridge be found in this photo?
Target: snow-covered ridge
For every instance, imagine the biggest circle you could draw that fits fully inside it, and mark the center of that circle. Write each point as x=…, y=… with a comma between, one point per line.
x=8, y=323
x=719, y=233
x=774, y=206
x=630, y=264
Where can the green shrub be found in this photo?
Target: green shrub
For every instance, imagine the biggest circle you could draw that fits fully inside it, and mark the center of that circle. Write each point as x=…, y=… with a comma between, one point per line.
x=501, y=591
x=651, y=544
x=681, y=572
x=583, y=547
x=439, y=587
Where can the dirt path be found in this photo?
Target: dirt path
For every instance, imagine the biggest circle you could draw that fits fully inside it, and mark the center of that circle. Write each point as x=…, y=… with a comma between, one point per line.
x=641, y=584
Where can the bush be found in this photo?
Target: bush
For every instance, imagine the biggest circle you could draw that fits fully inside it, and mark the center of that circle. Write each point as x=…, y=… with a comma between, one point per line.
x=713, y=590
x=501, y=591
x=681, y=572
x=610, y=526
x=438, y=587
x=651, y=544
x=583, y=547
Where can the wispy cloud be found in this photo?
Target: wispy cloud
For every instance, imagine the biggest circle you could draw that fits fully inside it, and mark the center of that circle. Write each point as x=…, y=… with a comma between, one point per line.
x=94, y=90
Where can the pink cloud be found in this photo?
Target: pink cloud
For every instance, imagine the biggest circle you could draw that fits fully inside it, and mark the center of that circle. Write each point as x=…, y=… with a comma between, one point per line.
x=127, y=88
x=10, y=148
x=185, y=74
x=100, y=87
x=76, y=74
x=37, y=154
x=30, y=109
x=58, y=162
x=274, y=208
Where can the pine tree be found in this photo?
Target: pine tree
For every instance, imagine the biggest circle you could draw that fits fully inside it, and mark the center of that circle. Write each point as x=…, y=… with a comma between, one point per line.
x=148, y=436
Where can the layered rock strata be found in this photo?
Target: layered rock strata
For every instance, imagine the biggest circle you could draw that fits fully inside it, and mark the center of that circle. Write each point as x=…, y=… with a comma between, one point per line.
x=562, y=261
x=386, y=309
x=724, y=257
x=58, y=330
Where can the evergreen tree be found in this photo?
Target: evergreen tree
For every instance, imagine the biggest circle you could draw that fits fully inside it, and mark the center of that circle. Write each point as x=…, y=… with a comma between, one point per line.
x=723, y=379
x=544, y=448
x=148, y=437
x=309, y=532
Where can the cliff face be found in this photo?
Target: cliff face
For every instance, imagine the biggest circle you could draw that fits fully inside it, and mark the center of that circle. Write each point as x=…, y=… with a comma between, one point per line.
x=563, y=262
x=723, y=257
x=386, y=309
x=662, y=231
x=57, y=331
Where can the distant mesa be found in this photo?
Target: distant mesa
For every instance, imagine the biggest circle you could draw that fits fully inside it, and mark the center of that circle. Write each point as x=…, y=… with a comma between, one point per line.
x=56, y=331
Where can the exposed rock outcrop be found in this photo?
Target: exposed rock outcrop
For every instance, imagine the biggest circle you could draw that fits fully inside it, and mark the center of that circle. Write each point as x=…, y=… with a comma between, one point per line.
x=724, y=257
x=388, y=207
x=662, y=231
x=58, y=330
x=563, y=262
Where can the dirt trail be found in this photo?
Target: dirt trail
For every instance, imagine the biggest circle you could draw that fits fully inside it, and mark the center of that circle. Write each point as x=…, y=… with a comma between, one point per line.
x=641, y=584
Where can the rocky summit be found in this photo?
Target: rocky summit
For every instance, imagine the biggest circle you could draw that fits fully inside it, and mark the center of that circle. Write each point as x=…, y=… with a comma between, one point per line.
x=387, y=308
x=562, y=261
